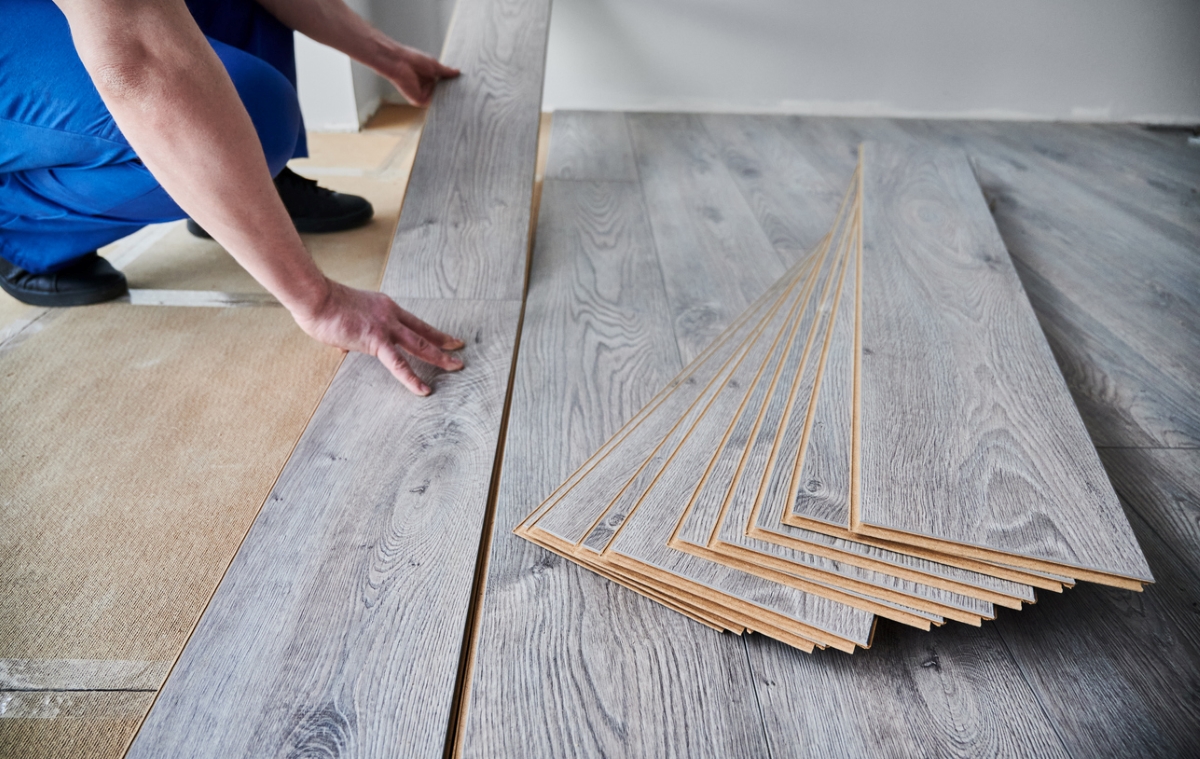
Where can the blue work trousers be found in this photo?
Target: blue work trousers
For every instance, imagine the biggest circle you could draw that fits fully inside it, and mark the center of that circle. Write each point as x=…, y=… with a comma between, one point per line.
x=69, y=181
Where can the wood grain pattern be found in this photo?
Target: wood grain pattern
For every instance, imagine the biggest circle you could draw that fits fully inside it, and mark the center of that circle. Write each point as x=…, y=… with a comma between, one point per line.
x=568, y=664
x=650, y=518
x=952, y=692
x=958, y=345
x=715, y=257
x=792, y=201
x=816, y=481
x=1107, y=334
x=773, y=403
x=714, y=513
x=591, y=145
x=329, y=630
x=579, y=509
x=1163, y=487
x=1115, y=670
x=463, y=231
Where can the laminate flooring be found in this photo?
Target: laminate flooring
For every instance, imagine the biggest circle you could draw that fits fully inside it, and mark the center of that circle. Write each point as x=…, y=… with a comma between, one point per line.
x=716, y=208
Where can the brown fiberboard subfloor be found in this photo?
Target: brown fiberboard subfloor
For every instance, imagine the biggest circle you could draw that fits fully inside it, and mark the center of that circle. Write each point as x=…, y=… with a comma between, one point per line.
x=131, y=470
x=173, y=427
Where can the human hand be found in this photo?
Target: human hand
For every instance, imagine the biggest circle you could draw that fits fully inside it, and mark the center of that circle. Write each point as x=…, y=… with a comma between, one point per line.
x=414, y=73
x=370, y=322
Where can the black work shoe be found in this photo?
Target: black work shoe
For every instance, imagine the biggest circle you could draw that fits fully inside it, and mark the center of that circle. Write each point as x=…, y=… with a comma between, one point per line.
x=88, y=280
x=312, y=207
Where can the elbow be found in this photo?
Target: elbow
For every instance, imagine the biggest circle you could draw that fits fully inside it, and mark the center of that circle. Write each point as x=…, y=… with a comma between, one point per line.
x=126, y=78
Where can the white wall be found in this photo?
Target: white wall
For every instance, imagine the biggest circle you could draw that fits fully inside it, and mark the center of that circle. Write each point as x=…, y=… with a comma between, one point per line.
x=325, y=83
x=1096, y=60
x=339, y=95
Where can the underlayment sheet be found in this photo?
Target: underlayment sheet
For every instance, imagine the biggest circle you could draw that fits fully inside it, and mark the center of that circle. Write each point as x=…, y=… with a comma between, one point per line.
x=74, y=736
x=136, y=446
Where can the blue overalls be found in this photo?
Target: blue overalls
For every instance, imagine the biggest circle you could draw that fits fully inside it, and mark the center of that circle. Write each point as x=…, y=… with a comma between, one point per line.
x=69, y=181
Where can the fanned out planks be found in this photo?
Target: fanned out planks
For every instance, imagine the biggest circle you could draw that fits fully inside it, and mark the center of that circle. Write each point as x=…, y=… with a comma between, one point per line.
x=884, y=433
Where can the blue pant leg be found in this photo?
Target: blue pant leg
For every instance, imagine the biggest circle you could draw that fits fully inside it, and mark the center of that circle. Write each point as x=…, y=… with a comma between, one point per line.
x=69, y=182
x=249, y=27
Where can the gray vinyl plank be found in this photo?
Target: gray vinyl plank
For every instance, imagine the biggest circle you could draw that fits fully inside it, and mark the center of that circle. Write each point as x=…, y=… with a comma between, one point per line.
x=591, y=145
x=567, y=663
x=464, y=227
x=791, y=197
x=338, y=623
x=716, y=258
x=1115, y=671
x=1124, y=399
x=792, y=201
x=1163, y=488
x=655, y=506
x=1136, y=278
x=816, y=481
x=732, y=449
x=577, y=510
x=950, y=692
x=1156, y=189
x=959, y=384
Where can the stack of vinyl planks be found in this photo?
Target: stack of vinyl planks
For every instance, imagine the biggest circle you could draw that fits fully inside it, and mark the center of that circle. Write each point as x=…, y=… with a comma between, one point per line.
x=883, y=433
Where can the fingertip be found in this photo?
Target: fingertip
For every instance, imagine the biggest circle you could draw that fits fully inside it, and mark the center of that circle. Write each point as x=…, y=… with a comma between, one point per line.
x=453, y=344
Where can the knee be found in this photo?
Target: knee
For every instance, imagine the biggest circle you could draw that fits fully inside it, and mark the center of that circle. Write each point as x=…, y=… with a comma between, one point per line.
x=272, y=103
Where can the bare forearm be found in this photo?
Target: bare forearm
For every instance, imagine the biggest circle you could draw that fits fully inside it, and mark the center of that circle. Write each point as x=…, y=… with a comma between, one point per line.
x=174, y=102
x=333, y=23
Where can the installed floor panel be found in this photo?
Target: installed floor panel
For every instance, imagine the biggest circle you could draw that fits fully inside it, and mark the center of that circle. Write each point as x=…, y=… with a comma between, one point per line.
x=592, y=686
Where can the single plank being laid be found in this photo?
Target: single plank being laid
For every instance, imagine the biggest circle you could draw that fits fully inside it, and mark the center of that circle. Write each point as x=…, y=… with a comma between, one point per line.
x=339, y=621
x=968, y=441
x=467, y=210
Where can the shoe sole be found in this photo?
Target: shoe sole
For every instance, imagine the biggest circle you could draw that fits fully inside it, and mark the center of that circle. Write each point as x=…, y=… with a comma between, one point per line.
x=65, y=300
x=336, y=224
x=309, y=226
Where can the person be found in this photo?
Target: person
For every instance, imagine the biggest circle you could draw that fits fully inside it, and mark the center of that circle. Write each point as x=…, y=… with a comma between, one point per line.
x=115, y=114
